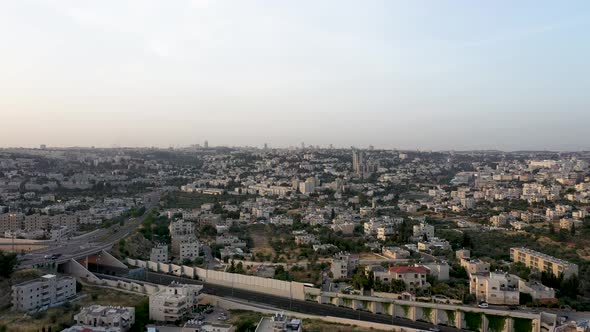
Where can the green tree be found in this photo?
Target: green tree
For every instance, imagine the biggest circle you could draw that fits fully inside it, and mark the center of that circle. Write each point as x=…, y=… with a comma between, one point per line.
x=8, y=262
x=142, y=317
x=573, y=230
x=397, y=286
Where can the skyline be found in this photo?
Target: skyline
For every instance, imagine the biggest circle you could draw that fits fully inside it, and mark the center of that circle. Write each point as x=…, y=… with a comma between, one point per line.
x=449, y=75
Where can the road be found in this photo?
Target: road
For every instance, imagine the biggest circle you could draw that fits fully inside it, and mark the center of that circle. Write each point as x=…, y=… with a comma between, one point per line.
x=88, y=243
x=81, y=246
x=305, y=307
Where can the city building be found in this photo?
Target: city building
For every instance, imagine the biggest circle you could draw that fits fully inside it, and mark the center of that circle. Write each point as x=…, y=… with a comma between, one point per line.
x=174, y=302
x=423, y=230
x=343, y=264
x=538, y=291
x=159, y=254
x=495, y=288
x=358, y=162
x=395, y=253
x=45, y=292
x=279, y=322
x=414, y=277
x=475, y=266
x=542, y=262
x=98, y=318
x=189, y=249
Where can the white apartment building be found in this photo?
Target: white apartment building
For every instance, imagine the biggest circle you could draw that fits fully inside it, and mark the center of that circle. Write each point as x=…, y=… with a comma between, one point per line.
x=495, y=288
x=423, y=229
x=189, y=249
x=308, y=186
x=343, y=264
x=98, y=318
x=413, y=276
x=181, y=227
x=175, y=302
x=475, y=266
x=384, y=231
x=159, y=254
x=279, y=323
x=59, y=233
x=281, y=220
x=46, y=291
x=542, y=262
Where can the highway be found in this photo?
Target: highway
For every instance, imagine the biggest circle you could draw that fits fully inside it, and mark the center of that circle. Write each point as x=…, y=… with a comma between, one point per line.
x=84, y=245
x=280, y=303
x=89, y=243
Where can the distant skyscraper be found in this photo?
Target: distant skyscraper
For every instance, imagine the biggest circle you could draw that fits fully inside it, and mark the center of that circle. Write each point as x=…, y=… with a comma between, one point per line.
x=43, y=147
x=303, y=145
x=265, y=146
x=358, y=162
x=371, y=148
x=206, y=144
x=331, y=146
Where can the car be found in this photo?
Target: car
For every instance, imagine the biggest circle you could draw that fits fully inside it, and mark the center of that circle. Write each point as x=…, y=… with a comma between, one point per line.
x=483, y=305
x=434, y=329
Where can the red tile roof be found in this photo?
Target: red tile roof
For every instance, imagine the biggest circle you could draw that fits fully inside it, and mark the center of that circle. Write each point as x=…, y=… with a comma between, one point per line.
x=408, y=269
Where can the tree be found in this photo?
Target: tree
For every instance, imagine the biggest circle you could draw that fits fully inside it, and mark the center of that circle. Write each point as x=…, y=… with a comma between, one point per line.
x=397, y=286
x=466, y=241
x=7, y=264
x=573, y=230
x=142, y=316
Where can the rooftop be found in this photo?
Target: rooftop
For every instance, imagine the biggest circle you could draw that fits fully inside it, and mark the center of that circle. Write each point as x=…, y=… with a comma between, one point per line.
x=408, y=269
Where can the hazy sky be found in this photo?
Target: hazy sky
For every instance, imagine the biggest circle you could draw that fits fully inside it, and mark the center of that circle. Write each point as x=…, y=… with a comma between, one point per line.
x=396, y=74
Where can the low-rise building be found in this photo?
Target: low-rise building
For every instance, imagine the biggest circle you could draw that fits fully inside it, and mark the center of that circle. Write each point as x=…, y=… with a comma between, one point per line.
x=475, y=266
x=463, y=254
x=438, y=270
x=395, y=253
x=159, y=254
x=495, y=288
x=538, y=291
x=414, y=277
x=279, y=323
x=189, y=249
x=47, y=291
x=542, y=262
x=343, y=264
x=97, y=318
x=173, y=303
x=423, y=230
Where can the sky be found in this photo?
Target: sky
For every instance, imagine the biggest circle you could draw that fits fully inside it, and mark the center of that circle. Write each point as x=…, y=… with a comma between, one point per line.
x=416, y=74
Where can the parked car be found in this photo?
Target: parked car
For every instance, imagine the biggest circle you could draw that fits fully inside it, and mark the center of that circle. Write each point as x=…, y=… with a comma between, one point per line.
x=483, y=305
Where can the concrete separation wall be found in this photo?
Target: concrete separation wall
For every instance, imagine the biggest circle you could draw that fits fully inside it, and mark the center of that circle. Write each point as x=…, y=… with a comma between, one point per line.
x=239, y=305
x=294, y=290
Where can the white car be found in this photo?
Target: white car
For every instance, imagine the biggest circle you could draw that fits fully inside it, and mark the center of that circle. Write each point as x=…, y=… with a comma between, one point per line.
x=483, y=305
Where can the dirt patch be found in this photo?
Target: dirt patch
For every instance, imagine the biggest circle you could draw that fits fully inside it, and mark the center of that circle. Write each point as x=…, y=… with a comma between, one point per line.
x=135, y=245
x=261, y=237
